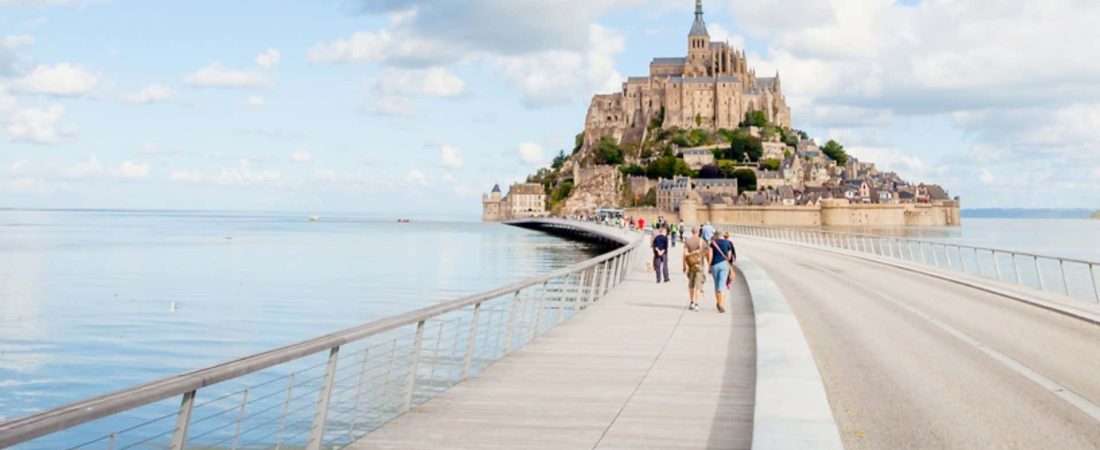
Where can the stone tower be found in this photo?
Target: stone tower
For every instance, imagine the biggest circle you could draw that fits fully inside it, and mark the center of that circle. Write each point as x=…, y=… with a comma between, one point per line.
x=491, y=205
x=698, y=45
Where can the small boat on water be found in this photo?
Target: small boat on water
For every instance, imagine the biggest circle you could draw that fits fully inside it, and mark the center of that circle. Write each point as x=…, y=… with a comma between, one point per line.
x=314, y=218
x=403, y=221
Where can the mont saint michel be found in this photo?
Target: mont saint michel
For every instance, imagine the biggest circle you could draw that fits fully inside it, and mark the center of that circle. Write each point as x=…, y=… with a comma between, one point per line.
x=703, y=138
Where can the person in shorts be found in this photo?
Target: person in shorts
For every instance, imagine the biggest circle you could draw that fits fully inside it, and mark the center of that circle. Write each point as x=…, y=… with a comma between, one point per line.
x=722, y=256
x=696, y=257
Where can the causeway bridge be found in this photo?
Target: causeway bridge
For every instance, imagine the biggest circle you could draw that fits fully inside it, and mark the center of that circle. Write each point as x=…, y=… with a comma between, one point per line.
x=830, y=340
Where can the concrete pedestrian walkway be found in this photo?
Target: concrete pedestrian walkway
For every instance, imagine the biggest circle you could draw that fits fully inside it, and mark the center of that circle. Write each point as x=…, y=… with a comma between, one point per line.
x=635, y=370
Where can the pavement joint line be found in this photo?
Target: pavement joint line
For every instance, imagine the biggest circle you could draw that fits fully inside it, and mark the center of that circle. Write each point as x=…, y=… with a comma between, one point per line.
x=909, y=266
x=641, y=381
x=1060, y=391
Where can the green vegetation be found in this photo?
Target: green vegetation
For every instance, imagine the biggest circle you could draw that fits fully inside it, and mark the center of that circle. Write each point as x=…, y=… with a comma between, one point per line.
x=698, y=120
x=608, y=152
x=770, y=164
x=649, y=199
x=746, y=180
x=695, y=137
x=835, y=151
x=632, y=170
x=1095, y=215
x=667, y=166
x=560, y=193
x=741, y=143
x=578, y=142
x=755, y=119
x=559, y=160
x=658, y=120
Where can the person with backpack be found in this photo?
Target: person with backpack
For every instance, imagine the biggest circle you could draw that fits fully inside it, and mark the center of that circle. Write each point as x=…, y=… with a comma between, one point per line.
x=695, y=259
x=722, y=256
x=672, y=231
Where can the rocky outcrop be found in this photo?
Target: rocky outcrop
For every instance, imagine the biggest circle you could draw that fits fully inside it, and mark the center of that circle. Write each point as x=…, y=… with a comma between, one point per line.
x=595, y=187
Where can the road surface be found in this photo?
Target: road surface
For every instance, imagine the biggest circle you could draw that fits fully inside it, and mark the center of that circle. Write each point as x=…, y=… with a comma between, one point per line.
x=911, y=361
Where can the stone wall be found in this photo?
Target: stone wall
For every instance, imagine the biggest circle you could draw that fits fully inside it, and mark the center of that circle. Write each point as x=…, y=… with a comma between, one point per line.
x=832, y=213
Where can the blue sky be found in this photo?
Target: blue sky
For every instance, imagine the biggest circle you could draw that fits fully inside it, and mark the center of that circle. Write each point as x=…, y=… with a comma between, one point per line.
x=408, y=106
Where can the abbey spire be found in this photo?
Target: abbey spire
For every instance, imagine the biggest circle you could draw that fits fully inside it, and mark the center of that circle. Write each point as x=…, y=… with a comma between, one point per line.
x=699, y=28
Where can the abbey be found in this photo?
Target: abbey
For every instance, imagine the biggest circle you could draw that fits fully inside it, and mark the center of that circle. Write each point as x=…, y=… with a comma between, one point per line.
x=713, y=87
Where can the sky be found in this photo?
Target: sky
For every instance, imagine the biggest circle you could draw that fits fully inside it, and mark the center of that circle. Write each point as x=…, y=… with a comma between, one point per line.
x=420, y=106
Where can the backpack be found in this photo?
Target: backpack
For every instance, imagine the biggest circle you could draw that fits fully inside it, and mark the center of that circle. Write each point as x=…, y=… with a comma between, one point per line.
x=695, y=258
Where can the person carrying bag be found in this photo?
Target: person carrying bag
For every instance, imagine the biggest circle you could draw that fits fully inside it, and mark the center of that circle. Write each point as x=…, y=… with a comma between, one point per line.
x=721, y=267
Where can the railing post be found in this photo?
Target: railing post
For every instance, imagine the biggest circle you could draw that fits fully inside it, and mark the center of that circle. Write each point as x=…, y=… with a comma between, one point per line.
x=183, y=421
x=286, y=411
x=471, y=342
x=317, y=432
x=510, y=333
x=414, y=366
x=977, y=261
x=1015, y=268
x=591, y=286
x=537, y=329
x=240, y=418
x=935, y=256
x=1062, y=269
x=996, y=266
x=1095, y=285
x=1039, y=272
x=947, y=257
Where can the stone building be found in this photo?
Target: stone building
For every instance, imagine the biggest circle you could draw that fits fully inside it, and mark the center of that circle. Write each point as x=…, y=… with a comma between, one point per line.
x=671, y=192
x=718, y=190
x=523, y=200
x=712, y=87
x=696, y=158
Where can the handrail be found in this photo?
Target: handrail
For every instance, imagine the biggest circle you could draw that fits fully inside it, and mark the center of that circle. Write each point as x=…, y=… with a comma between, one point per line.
x=950, y=256
x=30, y=427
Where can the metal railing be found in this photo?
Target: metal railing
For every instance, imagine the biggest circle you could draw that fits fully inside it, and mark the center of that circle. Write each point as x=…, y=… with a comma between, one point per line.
x=1073, y=278
x=330, y=391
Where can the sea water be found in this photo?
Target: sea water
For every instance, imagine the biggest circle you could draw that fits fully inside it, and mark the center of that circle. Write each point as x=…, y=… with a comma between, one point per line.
x=95, y=301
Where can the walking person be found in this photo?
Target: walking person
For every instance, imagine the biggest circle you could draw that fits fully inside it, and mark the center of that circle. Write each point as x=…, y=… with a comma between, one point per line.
x=672, y=231
x=707, y=233
x=660, y=254
x=695, y=259
x=722, y=256
x=684, y=232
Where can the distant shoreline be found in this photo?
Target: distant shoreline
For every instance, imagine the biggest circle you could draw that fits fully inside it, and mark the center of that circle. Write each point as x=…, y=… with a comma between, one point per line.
x=1028, y=213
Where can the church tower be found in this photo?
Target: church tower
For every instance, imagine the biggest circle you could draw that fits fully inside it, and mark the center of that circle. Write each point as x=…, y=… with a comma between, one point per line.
x=698, y=45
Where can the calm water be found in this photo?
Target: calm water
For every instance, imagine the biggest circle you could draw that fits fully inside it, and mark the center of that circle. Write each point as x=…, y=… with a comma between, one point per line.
x=86, y=296
x=1066, y=238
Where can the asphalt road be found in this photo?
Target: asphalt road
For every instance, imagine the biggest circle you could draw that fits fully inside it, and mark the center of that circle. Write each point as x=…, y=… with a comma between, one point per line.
x=910, y=361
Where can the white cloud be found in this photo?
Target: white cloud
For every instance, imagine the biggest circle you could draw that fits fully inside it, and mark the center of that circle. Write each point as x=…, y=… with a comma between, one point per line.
x=532, y=154
x=7, y=102
x=63, y=79
x=436, y=82
x=242, y=175
x=268, y=59
x=17, y=166
x=131, y=170
x=557, y=77
x=214, y=75
x=301, y=157
x=987, y=177
x=417, y=177
x=150, y=94
x=255, y=101
x=391, y=105
x=84, y=168
x=17, y=41
x=451, y=157
x=38, y=126
x=392, y=44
